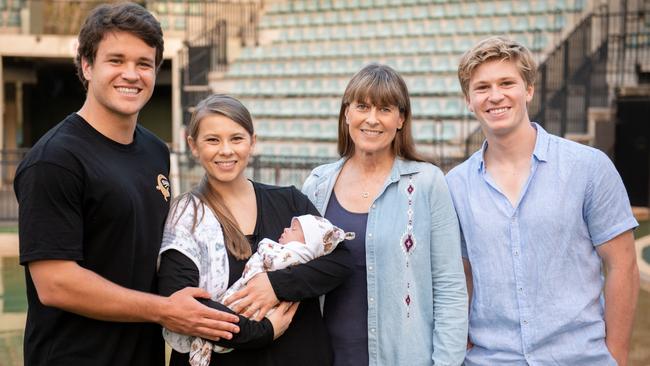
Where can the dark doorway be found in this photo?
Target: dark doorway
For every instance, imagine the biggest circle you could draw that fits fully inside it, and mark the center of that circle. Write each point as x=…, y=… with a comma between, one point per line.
x=632, y=152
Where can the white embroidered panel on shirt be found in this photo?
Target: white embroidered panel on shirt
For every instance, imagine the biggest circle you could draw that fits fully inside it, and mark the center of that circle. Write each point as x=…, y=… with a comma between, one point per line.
x=408, y=243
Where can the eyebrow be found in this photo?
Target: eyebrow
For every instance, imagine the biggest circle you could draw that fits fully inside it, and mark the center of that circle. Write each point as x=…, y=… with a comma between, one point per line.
x=121, y=55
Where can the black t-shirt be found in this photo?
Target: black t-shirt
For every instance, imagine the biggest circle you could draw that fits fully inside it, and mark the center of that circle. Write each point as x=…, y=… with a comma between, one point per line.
x=306, y=341
x=86, y=198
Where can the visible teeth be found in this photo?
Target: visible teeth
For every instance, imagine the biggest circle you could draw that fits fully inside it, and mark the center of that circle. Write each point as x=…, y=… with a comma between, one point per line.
x=498, y=110
x=127, y=90
x=371, y=132
x=226, y=163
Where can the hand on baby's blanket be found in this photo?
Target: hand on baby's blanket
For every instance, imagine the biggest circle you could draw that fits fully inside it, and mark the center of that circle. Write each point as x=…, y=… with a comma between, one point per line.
x=255, y=300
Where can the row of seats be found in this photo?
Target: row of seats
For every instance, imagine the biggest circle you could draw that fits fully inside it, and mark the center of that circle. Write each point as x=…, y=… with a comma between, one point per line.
x=9, y=18
x=171, y=23
x=443, y=44
x=313, y=130
x=344, y=66
x=419, y=84
x=297, y=149
x=11, y=4
x=406, y=13
x=176, y=7
x=327, y=130
x=427, y=27
x=446, y=8
x=325, y=107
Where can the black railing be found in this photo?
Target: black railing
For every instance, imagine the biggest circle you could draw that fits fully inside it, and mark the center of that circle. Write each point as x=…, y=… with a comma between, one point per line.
x=602, y=53
x=9, y=160
x=474, y=141
x=209, y=27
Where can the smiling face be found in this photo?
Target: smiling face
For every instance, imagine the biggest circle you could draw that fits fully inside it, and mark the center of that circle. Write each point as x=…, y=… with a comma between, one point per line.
x=498, y=95
x=122, y=76
x=292, y=233
x=223, y=148
x=373, y=128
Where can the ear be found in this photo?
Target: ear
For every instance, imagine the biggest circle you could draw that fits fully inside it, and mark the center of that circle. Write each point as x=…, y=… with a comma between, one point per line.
x=467, y=103
x=253, y=142
x=530, y=91
x=86, y=68
x=193, y=147
x=346, y=114
x=401, y=121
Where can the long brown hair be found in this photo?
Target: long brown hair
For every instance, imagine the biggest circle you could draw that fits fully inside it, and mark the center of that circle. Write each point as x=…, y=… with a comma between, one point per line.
x=227, y=106
x=380, y=85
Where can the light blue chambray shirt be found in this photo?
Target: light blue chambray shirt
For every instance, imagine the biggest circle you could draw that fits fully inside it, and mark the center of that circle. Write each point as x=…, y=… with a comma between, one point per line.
x=537, y=275
x=417, y=299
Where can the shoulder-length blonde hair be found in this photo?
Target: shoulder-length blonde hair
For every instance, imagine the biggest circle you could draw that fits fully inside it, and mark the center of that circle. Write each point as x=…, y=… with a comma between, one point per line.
x=379, y=85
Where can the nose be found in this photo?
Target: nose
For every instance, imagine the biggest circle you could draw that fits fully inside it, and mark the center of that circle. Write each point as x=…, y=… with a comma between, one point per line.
x=495, y=94
x=130, y=73
x=226, y=148
x=371, y=119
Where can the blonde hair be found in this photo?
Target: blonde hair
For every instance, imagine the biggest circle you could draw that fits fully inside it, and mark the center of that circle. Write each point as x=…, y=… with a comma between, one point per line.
x=380, y=85
x=496, y=48
x=227, y=106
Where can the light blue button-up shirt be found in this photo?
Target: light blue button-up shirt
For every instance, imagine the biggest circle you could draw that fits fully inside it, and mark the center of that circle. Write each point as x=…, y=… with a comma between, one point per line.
x=417, y=300
x=537, y=276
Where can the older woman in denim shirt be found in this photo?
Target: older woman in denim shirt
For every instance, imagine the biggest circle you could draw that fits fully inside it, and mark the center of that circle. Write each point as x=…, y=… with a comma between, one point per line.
x=406, y=303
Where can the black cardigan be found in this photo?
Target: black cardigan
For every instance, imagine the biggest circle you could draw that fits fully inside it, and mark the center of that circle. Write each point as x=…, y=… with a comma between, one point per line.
x=306, y=340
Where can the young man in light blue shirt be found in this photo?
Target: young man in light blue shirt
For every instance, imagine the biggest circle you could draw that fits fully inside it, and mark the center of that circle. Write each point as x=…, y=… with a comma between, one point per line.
x=540, y=215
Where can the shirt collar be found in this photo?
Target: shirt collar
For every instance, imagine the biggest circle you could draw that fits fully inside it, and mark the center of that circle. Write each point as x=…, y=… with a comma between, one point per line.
x=540, y=152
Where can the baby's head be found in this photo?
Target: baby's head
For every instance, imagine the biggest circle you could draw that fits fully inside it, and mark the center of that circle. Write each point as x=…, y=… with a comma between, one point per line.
x=316, y=232
x=292, y=233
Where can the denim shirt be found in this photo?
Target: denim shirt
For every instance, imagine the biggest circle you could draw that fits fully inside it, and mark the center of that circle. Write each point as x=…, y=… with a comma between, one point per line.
x=537, y=276
x=417, y=298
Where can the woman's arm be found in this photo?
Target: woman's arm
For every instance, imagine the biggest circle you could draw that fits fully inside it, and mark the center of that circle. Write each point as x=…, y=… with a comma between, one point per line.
x=448, y=278
x=296, y=283
x=177, y=272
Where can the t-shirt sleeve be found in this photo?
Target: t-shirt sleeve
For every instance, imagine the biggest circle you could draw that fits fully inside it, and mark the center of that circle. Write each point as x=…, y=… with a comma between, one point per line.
x=607, y=210
x=50, y=205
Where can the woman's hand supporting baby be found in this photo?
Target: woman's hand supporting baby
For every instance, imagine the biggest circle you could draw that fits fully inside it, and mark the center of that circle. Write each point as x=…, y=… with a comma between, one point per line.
x=254, y=300
x=281, y=317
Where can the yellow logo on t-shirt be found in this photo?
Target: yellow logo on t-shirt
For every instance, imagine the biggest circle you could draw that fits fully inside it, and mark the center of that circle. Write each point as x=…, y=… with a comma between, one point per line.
x=163, y=186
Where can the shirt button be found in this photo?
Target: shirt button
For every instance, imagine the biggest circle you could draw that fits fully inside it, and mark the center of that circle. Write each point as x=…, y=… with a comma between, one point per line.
x=372, y=330
x=370, y=235
x=373, y=206
x=525, y=322
x=516, y=253
x=521, y=289
x=372, y=299
x=369, y=268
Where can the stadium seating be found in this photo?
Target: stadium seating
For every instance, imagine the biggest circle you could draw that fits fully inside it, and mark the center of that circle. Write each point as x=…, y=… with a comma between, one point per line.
x=295, y=82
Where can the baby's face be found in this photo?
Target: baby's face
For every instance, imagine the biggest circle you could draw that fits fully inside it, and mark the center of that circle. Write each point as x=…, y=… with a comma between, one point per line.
x=292, y=233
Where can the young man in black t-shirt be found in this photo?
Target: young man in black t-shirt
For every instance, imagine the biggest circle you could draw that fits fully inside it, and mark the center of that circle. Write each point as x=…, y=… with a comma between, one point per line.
x=93, y=196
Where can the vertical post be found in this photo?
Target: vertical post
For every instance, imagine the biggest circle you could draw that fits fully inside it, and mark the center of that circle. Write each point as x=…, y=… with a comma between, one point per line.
x=2, y=108
x=257, y=174
x=565, y=79
x=178, y=143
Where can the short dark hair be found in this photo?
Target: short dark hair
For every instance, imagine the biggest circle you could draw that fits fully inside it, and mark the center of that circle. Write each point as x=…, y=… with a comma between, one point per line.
x=126, y=17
